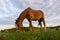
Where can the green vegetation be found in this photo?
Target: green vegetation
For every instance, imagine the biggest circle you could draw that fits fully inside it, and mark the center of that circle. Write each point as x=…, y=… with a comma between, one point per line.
x=11, y=34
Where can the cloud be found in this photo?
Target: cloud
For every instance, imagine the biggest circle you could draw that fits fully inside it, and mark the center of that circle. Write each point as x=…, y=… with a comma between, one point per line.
x=50, y=2
x=2, y=5
x=11, y=9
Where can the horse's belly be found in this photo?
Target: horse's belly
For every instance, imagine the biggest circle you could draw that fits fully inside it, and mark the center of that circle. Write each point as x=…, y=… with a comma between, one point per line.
x=35, y=18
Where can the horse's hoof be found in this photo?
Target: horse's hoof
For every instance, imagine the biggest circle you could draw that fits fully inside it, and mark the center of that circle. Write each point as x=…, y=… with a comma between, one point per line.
x=18, y=30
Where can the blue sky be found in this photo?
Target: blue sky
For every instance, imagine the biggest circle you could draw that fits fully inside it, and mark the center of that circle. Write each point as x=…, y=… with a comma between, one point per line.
x=11, y=9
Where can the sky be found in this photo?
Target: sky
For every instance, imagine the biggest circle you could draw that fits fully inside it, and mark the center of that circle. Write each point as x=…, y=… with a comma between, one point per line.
x=11, y=9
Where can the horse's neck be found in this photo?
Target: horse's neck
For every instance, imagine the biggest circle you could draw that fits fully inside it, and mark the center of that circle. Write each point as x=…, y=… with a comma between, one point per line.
x=22, y=16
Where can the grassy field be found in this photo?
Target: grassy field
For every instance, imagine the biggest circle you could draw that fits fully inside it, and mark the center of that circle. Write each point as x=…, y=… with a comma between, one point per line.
x=11, y=34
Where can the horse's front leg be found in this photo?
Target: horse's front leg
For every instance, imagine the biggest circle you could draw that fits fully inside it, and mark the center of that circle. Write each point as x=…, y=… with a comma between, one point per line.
x=31, y=26
x=19, y=26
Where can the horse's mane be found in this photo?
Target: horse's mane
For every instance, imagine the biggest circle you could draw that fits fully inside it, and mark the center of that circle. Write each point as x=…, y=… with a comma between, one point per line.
x=23, y=12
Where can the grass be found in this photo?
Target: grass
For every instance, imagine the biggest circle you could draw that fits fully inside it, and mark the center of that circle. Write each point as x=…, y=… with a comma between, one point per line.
x=11, y=34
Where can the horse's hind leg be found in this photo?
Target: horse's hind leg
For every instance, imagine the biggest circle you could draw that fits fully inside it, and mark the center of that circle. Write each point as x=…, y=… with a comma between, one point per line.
x=44, y=24
x=40, y=24
x=30, y=24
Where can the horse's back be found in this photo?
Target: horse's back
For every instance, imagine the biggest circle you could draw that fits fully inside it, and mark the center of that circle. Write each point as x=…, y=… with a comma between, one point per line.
x=35, y=14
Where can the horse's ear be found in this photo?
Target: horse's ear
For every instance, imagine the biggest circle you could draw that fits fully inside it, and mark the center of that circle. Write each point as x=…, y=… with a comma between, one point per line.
x=28, y=8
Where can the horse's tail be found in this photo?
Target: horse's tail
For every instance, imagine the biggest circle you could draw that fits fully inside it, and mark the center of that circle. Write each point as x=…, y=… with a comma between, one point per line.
x=15, y=21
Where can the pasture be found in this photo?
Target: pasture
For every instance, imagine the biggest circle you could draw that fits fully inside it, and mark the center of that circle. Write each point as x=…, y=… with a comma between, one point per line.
x=52, y=33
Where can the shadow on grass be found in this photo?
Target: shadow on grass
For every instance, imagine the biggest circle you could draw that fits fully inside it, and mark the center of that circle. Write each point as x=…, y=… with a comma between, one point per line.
x=2, y=37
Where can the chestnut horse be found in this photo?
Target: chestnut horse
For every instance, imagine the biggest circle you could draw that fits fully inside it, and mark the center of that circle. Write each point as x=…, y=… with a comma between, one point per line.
x=30, y=15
